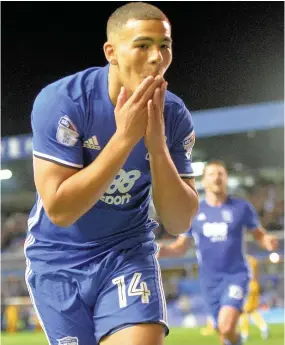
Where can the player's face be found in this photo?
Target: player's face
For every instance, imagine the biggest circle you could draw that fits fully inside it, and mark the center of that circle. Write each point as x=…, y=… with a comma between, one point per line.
x=215, y=179
x=143, y=48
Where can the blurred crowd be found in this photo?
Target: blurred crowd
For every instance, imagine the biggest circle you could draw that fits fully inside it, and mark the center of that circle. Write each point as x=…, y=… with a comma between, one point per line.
x=13, y=234
x=13, y=286
x=268, y=199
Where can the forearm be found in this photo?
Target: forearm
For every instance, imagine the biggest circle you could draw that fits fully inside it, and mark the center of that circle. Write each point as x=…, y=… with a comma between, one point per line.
x=76, y=195
x=265, y=240
x=176, y=203
x=259, y=237
x=261, y=241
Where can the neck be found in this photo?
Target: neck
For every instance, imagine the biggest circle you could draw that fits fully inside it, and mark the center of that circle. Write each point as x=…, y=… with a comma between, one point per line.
x=214, y=199
x=114, y=84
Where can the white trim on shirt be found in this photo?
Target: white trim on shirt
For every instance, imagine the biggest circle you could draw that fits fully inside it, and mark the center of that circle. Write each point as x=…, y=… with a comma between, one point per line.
x=52, y=158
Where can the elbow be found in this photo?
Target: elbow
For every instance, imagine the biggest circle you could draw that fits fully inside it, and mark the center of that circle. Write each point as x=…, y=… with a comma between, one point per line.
x=59, y=218
x=183, y=224
x=61, y=223
x=177, y=230
x=179, y=226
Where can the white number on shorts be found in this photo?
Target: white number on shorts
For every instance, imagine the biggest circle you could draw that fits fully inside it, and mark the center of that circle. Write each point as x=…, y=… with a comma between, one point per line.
x=133, y=289
x=235, y=292
x=120, y=281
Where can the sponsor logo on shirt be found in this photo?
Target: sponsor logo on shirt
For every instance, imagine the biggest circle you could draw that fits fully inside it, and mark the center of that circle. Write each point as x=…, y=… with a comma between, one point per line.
x=66, y=132
x=92, y=143
x=122, y=184
x=68, y=341
x=227, y=216
x=201, y=216
x=216, y=232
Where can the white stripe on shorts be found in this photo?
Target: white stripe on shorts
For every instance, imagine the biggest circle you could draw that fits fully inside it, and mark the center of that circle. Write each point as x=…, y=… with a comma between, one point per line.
x=162, y=295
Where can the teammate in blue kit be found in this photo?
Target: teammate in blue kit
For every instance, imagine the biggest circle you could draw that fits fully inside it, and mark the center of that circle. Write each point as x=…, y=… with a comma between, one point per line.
x=101, y=137
x=218, y=234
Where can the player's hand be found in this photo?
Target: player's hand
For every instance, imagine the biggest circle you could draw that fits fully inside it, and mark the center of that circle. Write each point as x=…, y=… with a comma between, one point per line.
x=155, y=140
x=270, y=242
x=131, y=114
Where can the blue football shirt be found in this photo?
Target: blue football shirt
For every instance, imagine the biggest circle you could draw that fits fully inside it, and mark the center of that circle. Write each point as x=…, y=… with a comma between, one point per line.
x=72, y=121
x=218, y=235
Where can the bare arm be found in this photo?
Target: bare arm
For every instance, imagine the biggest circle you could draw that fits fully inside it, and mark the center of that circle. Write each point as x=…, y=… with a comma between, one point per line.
x=175, y=199
x=177, y=248
x=68, y=193
x=265, y=240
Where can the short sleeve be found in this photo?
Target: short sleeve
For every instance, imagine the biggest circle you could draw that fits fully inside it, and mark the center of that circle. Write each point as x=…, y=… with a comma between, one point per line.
x=56, y=126
x=251, y=217
x=183, y=142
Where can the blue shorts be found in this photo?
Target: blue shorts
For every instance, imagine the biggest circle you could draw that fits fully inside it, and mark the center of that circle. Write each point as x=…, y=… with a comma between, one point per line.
x=231, y=291
x=80, y=306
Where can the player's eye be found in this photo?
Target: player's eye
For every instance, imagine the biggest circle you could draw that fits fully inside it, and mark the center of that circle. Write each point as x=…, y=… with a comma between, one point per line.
x=165, y=46
x=143, y=46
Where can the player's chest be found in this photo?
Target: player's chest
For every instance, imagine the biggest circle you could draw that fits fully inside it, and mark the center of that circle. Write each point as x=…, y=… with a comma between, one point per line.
x=95, y=144
x=218, y=225
x=99, y=129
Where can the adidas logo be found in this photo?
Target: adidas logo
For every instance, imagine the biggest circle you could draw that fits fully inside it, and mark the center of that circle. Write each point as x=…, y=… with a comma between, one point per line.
x=201, y=216
x=92, y=143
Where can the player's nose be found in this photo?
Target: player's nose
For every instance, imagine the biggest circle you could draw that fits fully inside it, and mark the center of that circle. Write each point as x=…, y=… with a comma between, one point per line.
x=155, y=56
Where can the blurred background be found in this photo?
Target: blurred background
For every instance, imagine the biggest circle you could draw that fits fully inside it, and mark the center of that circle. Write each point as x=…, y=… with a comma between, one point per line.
x=228, y=68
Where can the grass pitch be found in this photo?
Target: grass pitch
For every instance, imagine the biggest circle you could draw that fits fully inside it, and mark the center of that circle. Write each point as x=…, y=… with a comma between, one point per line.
x=177, y=336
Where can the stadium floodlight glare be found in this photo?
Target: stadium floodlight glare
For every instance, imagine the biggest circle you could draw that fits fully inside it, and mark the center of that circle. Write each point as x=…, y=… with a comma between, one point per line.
x=5, y=174
x=233, y=182
x=198, y=168
x=274, y=257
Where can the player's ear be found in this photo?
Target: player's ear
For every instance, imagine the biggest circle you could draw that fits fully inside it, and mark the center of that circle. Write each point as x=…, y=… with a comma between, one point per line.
x=110, y=53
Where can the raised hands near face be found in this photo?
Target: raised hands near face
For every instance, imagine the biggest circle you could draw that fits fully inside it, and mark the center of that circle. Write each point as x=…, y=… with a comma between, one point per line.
x=155, y=132
x=132, y=115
